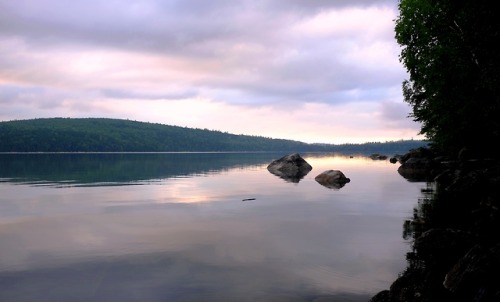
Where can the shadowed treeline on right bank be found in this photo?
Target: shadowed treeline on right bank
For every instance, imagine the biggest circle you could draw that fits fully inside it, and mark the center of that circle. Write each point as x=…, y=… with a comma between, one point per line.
x=455, y=253
x=451, y=52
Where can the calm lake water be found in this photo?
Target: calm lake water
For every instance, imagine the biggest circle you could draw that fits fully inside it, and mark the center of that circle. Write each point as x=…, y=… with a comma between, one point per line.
x=178, y=227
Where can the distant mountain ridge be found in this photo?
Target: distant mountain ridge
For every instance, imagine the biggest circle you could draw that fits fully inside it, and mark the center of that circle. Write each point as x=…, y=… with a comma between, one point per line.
x=118, y=135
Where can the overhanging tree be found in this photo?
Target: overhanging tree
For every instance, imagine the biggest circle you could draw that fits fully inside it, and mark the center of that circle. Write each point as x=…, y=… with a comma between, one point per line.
x=450, y=50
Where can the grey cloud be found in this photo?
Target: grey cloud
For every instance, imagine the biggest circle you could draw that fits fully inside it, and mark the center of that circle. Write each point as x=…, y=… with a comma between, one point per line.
x=131, y=94
x=315, y=77
x=206, y=31
x=159, y=25
x=391, y=110
x=40, y=97
x=162, y=26
x=396, y=115
x=10, y=93
x=27, y=101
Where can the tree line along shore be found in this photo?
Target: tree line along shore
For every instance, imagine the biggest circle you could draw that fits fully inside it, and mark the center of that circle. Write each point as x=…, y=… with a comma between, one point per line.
x=117, y=135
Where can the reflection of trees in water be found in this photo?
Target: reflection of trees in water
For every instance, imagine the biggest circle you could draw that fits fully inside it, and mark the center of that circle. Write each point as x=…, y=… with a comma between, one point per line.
x=417, y=281
x=98, y=168
x=421, y=279
x=422, y=214
x=455, y=253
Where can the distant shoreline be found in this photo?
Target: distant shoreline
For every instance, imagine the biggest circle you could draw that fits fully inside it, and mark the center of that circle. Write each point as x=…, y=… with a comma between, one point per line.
x=98, y=135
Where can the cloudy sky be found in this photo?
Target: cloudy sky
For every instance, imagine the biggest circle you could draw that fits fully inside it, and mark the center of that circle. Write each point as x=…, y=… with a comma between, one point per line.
x=316, y=71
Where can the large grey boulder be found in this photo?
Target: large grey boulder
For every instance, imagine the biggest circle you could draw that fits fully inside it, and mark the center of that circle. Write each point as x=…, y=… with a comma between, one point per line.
x=332, y=179
x=291, y=168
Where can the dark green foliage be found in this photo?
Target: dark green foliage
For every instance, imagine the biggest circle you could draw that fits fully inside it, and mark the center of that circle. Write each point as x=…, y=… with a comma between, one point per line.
x=451, y=50
x=114, y=135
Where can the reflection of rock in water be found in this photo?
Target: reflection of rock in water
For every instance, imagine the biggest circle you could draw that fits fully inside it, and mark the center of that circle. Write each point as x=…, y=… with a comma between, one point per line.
x=332, y=179
x=291, y=168
x=415, y=170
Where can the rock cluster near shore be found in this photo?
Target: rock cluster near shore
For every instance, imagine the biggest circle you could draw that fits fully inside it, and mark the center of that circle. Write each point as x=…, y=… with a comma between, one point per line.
x=293, y=168
x=456, y=231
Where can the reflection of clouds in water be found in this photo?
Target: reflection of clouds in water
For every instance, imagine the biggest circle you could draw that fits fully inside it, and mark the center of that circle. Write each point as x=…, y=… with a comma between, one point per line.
x=307, y=245
x=181, y=191
x=292, y=239
x=232, y=184
x=163, y=277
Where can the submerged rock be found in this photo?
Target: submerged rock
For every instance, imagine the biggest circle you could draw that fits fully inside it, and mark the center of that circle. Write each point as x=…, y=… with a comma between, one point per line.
x=377, y=156
x=291, y=168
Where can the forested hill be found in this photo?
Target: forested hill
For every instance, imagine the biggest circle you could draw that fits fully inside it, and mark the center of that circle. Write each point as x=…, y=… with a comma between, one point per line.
x=115, y=135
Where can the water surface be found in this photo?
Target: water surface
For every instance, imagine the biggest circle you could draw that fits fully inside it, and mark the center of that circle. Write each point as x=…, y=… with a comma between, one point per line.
x=198, y=227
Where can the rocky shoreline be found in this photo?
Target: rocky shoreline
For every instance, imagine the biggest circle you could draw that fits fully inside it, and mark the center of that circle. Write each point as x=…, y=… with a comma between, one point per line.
x=455, y=230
